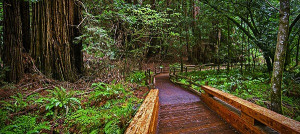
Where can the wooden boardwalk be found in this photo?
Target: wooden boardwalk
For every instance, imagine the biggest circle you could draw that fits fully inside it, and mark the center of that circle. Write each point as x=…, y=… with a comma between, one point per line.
x=183, y=112
x=173, y=110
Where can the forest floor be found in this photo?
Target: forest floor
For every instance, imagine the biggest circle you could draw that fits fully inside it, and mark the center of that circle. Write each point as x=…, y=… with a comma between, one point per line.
x=89, y=105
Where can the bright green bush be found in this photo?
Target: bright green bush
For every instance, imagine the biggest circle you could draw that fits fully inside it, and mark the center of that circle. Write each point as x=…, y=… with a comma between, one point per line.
x=25, y=125
x=137, y=77
x=105, y=91
x=113, y=117
x=59, y=102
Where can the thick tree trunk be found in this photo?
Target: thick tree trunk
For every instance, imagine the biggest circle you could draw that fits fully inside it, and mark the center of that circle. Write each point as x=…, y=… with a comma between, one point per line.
x=53, y=31
x=12, y=50
x=25, y=17
x=279, y=58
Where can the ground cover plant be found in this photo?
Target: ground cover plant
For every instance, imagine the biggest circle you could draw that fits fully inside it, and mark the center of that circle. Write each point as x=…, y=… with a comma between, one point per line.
x=108, y=108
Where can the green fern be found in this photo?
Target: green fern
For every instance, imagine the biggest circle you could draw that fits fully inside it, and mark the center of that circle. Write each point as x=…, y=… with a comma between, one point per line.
x=59, y=102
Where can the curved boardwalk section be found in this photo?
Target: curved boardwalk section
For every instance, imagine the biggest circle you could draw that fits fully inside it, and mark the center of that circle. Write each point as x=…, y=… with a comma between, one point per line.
x=183, y=112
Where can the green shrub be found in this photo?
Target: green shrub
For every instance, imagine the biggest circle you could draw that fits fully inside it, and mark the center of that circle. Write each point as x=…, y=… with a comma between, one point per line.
x=25, y=124
x=59, y=102
x=113, y=117
x=105, y=91
x=18, y=103
x=3, y=117
x=86, y=120
x=137, y=77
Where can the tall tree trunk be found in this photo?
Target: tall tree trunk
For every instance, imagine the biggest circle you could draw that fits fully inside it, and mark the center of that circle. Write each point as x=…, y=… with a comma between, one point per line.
x=12, y=50
x=228, y=45
x=53, y=32
x=297, y=53
x=25, y=18
x=279, y=58
x=242, y=41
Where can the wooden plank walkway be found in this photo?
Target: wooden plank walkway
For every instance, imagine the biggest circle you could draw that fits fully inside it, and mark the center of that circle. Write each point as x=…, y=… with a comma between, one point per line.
x=183, y=112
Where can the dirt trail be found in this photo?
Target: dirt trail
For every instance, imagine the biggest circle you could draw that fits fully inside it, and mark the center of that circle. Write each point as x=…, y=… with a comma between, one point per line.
x=183, y=112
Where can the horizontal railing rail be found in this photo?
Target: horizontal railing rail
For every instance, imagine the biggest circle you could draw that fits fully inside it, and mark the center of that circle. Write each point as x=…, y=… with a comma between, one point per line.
x=210, y=66
x=244, y=116
x=250, y=118
x=188, y=68
x=145, y=120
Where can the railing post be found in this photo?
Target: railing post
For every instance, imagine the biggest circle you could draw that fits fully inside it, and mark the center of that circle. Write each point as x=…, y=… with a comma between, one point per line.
x=174, y=72
x=206, y=83
x=186, y=70
x=146, y=75
x=149, y=76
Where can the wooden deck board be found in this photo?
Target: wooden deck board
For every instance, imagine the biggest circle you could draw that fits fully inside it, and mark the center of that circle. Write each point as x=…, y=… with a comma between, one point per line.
x=183, y=112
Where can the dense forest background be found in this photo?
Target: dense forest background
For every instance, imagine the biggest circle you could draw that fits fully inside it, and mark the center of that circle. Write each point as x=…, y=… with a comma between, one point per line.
x=63, y=61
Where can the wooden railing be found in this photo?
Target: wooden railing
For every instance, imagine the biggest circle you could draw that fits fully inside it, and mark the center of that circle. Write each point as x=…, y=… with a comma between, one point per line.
x=160, y=69
x=245, y=116
x=145, y=120
x=210, y=66
x=189, y=68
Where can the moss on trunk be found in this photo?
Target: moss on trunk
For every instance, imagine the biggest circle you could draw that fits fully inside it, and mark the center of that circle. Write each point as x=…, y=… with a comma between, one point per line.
x=279, y=58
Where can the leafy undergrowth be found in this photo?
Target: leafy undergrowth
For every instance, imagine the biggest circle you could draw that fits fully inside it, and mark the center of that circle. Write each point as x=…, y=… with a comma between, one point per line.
x=251, y=86
x=107, y=108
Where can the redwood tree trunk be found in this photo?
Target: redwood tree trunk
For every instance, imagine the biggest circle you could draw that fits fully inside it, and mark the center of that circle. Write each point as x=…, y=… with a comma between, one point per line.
x=25, y=18
x=12, y=50
x=279, y=58
x=53, y=31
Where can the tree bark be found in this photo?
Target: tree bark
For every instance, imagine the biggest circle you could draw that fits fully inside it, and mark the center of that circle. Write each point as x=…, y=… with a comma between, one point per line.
x=12, y=50
x=297, y=53
x=53, y=31
x=228, y=46
x=25, y=19
x=279, y=58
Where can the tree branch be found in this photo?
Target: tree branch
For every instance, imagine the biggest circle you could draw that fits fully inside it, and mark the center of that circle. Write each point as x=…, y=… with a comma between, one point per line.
x=272, y=5
x=294, y=23
x=251, y=16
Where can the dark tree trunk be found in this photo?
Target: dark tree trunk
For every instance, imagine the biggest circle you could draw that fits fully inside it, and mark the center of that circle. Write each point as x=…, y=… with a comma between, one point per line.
x=25, y=18
x=228, y=46
x=297, y=53
x=53, y=31
x=152, y=4
x=12, y=50
x=279, y=58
